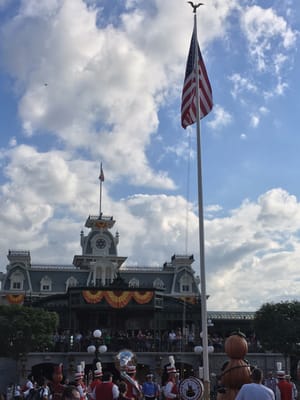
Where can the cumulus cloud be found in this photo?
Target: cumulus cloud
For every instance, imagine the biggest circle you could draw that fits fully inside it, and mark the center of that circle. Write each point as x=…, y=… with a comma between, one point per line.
x=113, y=77
x=221, y=118
x=250, y=251
x=261, y=27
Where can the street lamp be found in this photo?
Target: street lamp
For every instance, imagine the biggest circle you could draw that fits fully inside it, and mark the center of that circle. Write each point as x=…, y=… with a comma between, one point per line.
x=199, y=350
x=97, y=348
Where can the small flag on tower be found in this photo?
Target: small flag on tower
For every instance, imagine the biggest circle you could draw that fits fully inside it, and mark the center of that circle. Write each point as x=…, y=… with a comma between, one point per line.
x=101, y=176
x=189, y=101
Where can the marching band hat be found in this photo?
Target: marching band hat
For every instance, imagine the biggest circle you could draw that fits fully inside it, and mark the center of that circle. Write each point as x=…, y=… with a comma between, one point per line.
x=131, y=369
x=171, y=369
x=280, y=374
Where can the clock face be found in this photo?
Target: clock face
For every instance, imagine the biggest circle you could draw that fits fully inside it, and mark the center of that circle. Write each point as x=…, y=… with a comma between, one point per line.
x=101, y=243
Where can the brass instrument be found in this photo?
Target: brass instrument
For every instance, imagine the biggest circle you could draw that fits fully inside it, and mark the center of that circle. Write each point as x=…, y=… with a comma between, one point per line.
x=124, y=359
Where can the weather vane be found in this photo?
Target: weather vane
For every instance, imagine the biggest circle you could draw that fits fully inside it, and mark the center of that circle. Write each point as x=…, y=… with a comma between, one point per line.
x=195, y=6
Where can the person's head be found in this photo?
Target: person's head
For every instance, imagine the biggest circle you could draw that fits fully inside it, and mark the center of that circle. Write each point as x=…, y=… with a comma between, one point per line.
x=149, y=377
x=257, y=375
x=107, y=377
x=288, y=378
x=122, y=387
x=70, y=393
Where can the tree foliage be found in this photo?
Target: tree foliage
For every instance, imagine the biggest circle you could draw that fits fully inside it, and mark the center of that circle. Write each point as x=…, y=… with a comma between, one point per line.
x=277, y=326
x=25, y=329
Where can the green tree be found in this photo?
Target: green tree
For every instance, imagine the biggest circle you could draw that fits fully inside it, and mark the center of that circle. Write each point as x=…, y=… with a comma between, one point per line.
x=277, y=326
x=25, y=329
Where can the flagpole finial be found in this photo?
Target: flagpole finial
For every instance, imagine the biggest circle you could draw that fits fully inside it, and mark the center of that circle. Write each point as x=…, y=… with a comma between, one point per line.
x=195, y=6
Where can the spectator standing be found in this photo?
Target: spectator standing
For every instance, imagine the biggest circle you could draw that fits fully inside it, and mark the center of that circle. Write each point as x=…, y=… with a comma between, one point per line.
x=28, y=386
x=271, y=381
x=255, y=390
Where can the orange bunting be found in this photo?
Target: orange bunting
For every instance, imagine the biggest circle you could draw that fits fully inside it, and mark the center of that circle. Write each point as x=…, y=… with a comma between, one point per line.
x=92, y=296
x=15, y=298
x=116, y=298
x=142, y=297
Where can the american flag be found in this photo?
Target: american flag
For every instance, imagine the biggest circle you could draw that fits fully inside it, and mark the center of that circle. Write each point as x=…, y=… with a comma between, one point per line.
x=189, y=101
x=101, y=176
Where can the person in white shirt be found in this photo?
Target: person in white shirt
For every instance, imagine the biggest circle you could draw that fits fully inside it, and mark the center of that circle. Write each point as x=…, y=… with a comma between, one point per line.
x=255, y=390
x=29, y=385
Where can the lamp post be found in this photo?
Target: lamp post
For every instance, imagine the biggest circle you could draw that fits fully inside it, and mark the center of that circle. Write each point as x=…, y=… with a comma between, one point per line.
x=199, y=350
x=97, y=348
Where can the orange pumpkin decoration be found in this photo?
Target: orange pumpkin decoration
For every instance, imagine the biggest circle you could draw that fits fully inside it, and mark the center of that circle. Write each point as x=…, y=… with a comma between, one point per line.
x=236, y=346
x=236, y=373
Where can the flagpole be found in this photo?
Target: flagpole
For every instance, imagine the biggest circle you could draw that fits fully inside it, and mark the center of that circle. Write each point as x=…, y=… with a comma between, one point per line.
x=101, y=180
x=201, y=226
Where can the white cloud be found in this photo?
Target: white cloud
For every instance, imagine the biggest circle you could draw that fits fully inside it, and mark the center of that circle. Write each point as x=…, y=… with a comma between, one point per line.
x=113, y=78
x=254, y=120
x=221, y=118
x=247, y=250
x=268, y=34
x=241, y=84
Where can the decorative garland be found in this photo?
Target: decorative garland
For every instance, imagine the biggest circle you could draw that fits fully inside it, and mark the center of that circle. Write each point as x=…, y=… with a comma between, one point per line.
x=190, y=299
x=117, y=298
x=15, y=298
x=92, y=296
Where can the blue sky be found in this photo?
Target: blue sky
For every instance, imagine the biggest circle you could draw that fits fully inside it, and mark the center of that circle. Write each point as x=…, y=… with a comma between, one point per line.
x=89, y=81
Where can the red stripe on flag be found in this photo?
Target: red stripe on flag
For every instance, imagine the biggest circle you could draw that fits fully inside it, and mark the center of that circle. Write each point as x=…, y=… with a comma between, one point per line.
x=189, y=93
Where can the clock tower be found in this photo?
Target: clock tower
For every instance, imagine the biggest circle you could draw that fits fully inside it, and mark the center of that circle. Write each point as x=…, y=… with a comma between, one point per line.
x=99, y=251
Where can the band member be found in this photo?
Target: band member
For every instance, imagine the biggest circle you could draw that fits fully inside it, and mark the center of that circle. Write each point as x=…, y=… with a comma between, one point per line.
x=107, y=389
x=79, y=382
x=55, y=385
x=150, y=389
x=96, y=381
x=134, y=390
x=171, y=388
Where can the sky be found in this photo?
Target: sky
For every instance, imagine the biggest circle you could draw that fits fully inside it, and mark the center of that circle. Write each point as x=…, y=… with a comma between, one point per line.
x=84, y=82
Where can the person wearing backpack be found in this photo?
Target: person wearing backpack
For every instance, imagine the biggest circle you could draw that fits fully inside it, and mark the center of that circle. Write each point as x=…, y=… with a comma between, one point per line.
x=44, y=391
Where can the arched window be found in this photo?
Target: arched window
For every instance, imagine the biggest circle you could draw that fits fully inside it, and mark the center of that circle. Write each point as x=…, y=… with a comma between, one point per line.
x=185, y=284
x=17, y=280
x=158, y=283
x=46, y=284
x=71, y=282
x=134, y=283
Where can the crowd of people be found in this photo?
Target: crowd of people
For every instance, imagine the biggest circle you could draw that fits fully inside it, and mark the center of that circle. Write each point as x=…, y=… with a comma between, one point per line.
x=279, y=387
x=99, y=386
x=174, y=340
x=102, y=386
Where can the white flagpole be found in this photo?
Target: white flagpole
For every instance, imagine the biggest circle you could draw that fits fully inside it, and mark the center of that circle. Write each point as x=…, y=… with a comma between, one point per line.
x=100, y=205
x=201, y=229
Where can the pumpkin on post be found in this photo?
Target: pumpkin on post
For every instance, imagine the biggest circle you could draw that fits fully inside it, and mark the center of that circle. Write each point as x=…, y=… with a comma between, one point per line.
x=236, y=371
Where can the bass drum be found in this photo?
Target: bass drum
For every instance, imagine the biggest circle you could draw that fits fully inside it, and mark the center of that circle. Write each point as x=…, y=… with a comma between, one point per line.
x=191, y=389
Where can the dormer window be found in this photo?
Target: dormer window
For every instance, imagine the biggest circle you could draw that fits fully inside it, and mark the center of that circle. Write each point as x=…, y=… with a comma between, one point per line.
x=134, y=283
x=186, y=284
x=158, y=283
x=17, y=281
x=71, y=282
x=46, y=284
